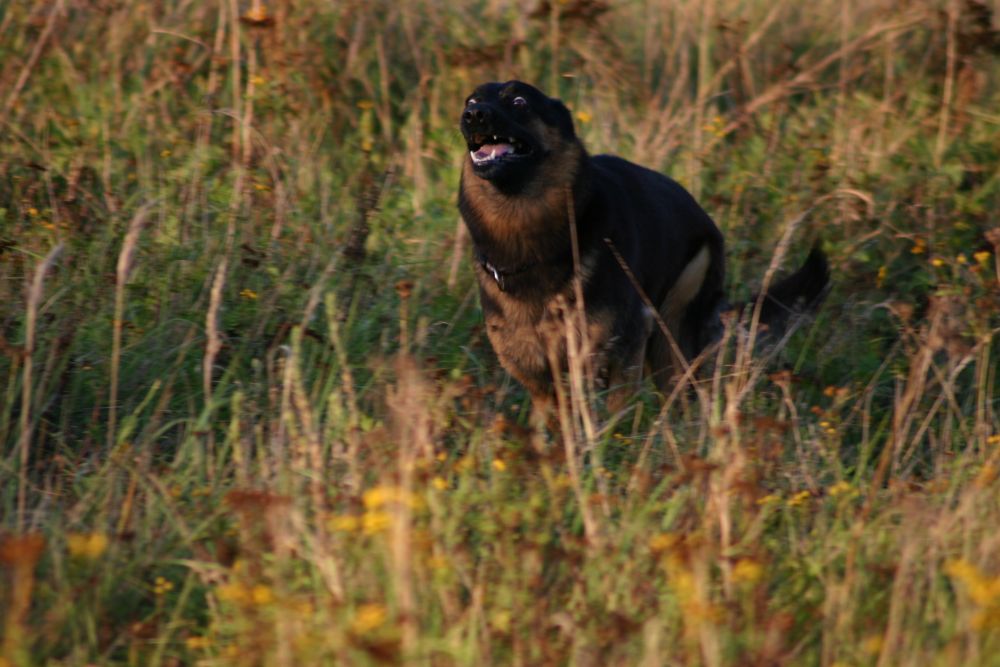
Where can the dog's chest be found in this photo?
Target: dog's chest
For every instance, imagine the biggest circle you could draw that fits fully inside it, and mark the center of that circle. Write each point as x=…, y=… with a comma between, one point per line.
x=528, y=336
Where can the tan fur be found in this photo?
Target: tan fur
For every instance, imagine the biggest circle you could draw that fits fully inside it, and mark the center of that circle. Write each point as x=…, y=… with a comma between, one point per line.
x=524, y=334
x=686, y=287
x=516, y=221
x=662, y=355
x=527, y=334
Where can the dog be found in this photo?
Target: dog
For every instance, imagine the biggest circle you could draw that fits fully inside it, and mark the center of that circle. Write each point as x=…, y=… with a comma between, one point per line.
x=550, y=224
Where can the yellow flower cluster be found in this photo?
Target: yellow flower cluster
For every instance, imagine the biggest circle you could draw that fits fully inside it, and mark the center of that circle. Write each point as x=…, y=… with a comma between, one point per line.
x=747, y=571
x=162, y=586
x=883, y=271
x=245, y=595
x=87, y=546
x=842, y=488
x=983, y=590
x=379, y=496
x=799, y=498
x=368, y=617
x=373, y=523
x=715, y=126
x=375, y=519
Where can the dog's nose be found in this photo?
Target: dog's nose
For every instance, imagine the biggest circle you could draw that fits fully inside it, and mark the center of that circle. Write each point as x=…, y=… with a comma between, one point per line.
x=476, y=114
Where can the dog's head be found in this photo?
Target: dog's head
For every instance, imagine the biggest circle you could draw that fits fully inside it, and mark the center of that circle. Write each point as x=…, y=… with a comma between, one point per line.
x=511, y=130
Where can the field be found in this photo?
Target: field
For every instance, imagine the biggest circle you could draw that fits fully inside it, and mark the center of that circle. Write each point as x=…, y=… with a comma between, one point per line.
x=249, y=415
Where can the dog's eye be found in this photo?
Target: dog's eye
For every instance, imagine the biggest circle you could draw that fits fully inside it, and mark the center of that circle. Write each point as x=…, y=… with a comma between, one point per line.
x=471, y=100
x=520, y=102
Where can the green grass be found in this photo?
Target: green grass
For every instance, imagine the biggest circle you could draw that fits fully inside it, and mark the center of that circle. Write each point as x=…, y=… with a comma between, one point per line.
x=248, y=414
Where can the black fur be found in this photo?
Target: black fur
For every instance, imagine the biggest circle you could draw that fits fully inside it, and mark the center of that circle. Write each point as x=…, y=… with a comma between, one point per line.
x=526, y=177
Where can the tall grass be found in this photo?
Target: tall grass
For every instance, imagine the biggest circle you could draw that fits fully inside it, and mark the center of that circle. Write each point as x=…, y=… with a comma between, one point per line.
x=248, y=414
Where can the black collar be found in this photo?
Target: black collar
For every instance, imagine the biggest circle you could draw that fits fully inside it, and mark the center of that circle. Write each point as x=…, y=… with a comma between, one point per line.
x=500, y=275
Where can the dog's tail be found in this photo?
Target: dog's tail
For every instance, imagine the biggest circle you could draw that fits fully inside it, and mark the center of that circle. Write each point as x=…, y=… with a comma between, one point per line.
x=798, y=294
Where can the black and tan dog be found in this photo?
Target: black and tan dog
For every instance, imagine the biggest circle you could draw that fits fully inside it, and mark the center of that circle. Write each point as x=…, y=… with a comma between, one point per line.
x=526, y=178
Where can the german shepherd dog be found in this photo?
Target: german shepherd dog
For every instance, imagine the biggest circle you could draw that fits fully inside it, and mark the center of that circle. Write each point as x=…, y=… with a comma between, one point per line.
x=527, y=181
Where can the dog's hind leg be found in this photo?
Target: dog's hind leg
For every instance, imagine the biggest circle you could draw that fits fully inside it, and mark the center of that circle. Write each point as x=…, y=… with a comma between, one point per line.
x=664, y=357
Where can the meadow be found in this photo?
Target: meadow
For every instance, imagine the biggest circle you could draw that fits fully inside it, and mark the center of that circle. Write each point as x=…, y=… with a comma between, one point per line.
x=248, y=413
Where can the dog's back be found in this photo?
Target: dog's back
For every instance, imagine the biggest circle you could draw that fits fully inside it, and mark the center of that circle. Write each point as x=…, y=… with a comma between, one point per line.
x=643, y=245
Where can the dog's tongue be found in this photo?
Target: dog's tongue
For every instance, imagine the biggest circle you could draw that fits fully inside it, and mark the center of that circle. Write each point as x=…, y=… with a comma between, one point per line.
x=491, y=151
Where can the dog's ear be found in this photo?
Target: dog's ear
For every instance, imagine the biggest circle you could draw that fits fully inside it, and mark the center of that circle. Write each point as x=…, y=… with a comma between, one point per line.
x=560, y=116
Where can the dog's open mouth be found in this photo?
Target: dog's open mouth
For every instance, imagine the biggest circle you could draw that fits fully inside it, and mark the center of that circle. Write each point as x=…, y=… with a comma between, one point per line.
x=486, y=149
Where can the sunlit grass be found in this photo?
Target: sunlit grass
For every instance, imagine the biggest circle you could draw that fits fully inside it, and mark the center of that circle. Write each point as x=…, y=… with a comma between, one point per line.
x=248, y=414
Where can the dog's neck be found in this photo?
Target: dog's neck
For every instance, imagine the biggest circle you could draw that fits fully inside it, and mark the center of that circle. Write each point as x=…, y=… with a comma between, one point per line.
x=529, y=227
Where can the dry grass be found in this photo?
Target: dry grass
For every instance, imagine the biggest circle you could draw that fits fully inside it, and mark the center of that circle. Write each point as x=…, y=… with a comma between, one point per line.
x=248, y=415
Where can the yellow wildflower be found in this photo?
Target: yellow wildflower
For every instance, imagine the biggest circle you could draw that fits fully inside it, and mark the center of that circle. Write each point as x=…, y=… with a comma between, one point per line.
x=584, y=117
x=799, y=498
x=86, y=545
x=839, y=488
x=373, y=523
x=747, y=571
x=769, y=499
x=937, y=261
x=345, y=523
x=961, y=258
x=197, y=643
x=161, y=586
x=232, y=592
x=368, y=617
x=983, y=590
x=982, y=256
x=261, y=595
x=248, y=293
x=378, y=496
x=439, y=483
x=499, y=465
